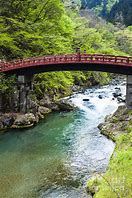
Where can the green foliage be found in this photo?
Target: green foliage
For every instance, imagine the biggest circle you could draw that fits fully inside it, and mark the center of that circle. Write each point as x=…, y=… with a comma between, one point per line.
x=36, y=28
x=117, y=181
x=6, y=83
x=124, y=40
x=44, y=27
x=58, y=82
x=52, y=83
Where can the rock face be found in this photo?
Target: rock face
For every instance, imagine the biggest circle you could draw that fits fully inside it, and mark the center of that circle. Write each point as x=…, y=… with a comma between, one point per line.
x=6, y=120
x=50, y=104
x=65, y=105
x=37, y=112
x=34, y=107
x=27, y=119
x=116, y=123
x=42, y=111
x=46, y=101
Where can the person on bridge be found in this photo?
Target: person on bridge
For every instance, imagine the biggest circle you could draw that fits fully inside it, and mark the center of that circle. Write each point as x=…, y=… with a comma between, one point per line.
x=78, y=51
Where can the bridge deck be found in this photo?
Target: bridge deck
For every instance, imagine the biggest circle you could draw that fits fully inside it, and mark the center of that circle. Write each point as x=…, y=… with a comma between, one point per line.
x=95, y=62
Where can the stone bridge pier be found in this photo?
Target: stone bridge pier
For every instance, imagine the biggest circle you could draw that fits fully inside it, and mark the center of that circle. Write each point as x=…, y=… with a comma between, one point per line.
x=129, y=92
x=25, y=87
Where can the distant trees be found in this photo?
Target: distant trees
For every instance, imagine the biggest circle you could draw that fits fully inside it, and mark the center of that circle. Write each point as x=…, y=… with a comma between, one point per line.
x=121, y=13
x=100, y=7
x=116, y=11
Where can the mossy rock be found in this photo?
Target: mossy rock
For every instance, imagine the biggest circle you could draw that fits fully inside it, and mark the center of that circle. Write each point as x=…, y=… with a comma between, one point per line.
x=93, y=185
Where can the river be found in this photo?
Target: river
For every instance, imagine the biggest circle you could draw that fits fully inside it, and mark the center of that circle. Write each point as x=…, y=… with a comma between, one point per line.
x=55, y=158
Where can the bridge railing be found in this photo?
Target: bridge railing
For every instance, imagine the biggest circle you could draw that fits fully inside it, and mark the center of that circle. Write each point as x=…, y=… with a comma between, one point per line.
x=69, y=58
x=105, y=58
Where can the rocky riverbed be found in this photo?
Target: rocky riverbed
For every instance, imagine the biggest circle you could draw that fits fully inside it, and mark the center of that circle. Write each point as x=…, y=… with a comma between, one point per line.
x=17, y=120
x=41, y=108
x=116, y=181
x=117, y=123
x=56, y=157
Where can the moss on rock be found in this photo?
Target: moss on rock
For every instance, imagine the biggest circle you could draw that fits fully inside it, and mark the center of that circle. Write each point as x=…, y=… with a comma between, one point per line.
x=117, y=181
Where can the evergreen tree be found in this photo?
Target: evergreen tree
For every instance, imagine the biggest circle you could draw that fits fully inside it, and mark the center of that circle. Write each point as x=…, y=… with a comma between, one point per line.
x=121, y=13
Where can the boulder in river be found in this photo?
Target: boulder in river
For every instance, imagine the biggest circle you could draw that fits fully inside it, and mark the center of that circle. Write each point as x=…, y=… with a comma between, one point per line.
x=100, y=96
x=118, y=88
x=120, y=99
x=86, y=99
x=25, y=120
x=43, y=110
x=6, y=120
x=115, y=94
x=65, y=105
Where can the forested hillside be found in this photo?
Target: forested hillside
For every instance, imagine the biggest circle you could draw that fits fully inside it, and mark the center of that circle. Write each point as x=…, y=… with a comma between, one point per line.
x=100, y=7
x=32, y=28
x=118, y=12
x=121, y=12
x=35, y=161
x=36, y=28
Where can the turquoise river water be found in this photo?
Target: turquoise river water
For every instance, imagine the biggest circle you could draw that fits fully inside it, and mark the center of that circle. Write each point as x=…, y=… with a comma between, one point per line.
x=55, y=158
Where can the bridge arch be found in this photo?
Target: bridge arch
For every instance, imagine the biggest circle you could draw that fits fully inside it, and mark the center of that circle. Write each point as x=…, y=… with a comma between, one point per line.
x=73, y=62
x=26, y=68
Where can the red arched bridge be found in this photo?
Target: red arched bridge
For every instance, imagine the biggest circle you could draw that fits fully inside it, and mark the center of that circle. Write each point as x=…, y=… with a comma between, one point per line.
x=25, y=69
x=84, y=62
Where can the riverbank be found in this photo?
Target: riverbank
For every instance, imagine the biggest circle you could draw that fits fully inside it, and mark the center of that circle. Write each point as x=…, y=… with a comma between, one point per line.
x=116, y=182
x=60, y=150
x=17, y=120
x=48, y=101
